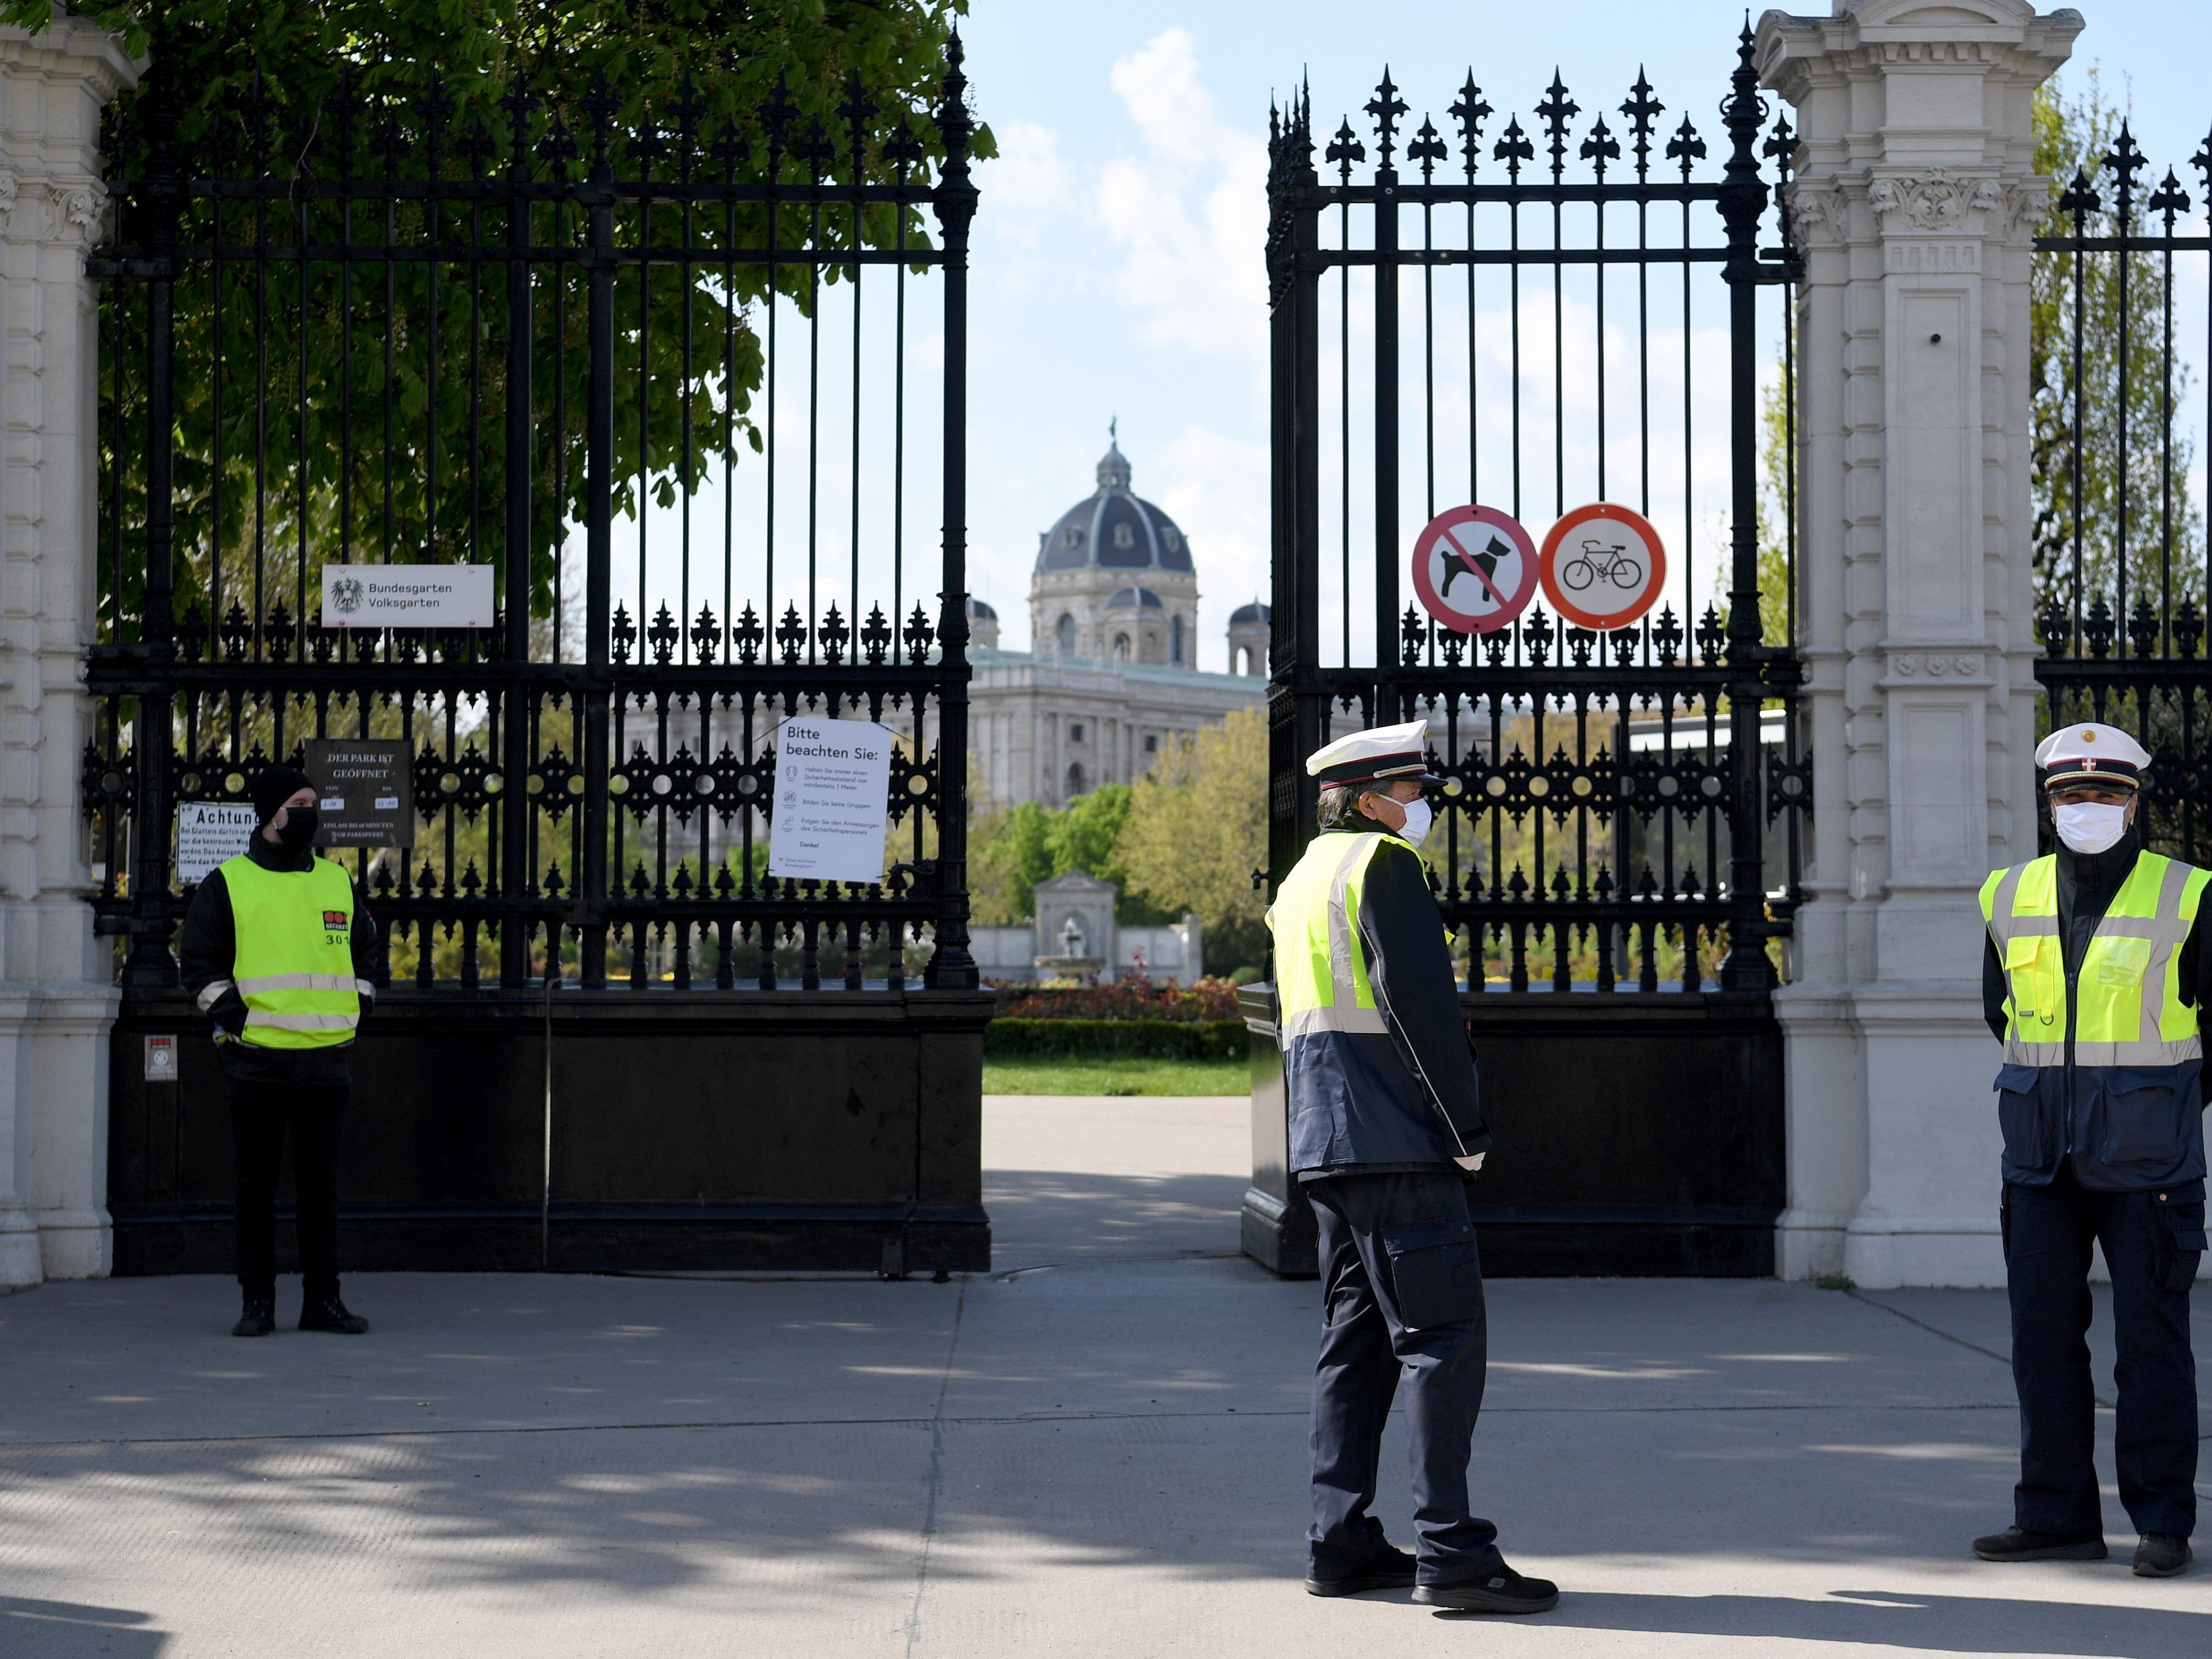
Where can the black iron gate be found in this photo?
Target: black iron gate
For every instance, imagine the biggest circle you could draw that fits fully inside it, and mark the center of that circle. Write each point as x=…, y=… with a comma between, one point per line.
x=689, y=374
x=2123, y=563
x=1622, y=808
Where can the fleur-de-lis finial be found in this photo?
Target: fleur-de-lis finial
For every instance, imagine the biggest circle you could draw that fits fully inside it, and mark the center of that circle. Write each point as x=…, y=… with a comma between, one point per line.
x=1686, y=147
x=1641, y=109
x=1556, y=110
x=1600, y=147
x=1513, y=149
x=1427, y=149
x=2169, y=200
x=1386, y=107
x=2125, y=158
x=1469, y=110
x=1344, y=149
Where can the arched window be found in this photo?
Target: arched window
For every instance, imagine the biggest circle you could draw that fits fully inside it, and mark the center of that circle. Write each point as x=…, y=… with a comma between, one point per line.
x=1121, y=647
x=1074, y=779
x=1243, y=658
x=1175, y=642
x=1065, y=634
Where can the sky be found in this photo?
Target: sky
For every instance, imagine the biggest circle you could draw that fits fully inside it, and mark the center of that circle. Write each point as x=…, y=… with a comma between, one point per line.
x=1116, y=263
x=1116, y=274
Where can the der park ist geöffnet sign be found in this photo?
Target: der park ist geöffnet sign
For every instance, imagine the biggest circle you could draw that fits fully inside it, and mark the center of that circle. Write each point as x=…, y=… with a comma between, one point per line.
x=407, y=596
x=832, y=789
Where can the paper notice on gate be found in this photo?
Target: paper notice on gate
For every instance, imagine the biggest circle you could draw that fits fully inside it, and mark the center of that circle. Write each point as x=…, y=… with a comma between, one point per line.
x=407, y=596
x=208, y=832
x=832, y=786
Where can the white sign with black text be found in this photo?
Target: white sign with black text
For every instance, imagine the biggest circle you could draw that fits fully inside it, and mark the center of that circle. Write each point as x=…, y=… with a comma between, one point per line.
x=208, y=832
x=407, y=596
x=832, y=789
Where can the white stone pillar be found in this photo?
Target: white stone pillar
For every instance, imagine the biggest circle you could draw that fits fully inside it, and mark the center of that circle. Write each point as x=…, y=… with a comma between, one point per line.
x=1915, y=203
x=57, y=998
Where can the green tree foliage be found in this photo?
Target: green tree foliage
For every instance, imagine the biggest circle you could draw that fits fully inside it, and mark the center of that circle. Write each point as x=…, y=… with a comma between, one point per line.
x=1197, y=828
x=425, y=429
x=2073, y=135
x=1008, y=854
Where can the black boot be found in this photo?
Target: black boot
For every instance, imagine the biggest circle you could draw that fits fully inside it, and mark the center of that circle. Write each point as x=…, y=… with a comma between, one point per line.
x=1392, y=1570
x=1503, y=1591
x=2161, y=1554
x=2018, y=1544
x=327, y=1313
x=258, y=1319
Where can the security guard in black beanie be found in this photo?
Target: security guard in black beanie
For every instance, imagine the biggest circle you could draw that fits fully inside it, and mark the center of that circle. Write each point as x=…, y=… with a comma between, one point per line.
x=277, y=949
x=2097, y=968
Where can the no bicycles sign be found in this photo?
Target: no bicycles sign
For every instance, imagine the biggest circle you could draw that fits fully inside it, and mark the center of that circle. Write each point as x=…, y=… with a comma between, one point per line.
x=1603, y=566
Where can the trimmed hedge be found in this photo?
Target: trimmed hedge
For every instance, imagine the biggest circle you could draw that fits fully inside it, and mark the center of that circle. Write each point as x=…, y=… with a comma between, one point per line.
x=1148, y=1039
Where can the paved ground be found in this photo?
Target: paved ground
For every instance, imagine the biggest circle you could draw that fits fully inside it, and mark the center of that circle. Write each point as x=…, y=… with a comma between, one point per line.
x=1097, y=1450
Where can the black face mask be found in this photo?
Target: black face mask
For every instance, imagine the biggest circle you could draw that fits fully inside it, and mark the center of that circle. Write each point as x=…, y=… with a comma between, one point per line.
x=297, y=833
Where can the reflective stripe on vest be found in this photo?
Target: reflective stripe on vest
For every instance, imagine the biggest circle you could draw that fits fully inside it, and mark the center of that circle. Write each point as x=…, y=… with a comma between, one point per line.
x=294, y=962
x=2127, y=988
x=1321, y=972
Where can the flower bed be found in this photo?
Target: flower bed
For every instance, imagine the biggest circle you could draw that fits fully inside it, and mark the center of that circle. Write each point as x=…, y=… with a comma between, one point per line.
x=1130, y=999
x=1151, y=1039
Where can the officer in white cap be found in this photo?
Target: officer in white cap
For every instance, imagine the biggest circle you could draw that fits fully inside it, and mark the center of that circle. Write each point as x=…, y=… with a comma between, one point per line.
x=1385, y=1123
x=2095, y=964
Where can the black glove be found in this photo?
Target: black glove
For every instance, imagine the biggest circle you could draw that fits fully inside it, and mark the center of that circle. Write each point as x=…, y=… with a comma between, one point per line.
x=229, y=1016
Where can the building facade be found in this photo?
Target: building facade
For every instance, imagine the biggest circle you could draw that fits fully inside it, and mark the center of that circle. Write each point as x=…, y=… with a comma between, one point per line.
x=1111, y=678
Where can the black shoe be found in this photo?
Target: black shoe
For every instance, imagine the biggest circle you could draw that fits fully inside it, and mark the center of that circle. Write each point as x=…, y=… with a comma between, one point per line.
x=327, y=1313
x=1392, y=1570
x=2161, y=1554
x=258, y=1319
x=2018, y=1544
x=1503, y=1591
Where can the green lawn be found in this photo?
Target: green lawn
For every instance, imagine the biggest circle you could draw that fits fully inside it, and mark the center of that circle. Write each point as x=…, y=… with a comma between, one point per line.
x=1105, y=1075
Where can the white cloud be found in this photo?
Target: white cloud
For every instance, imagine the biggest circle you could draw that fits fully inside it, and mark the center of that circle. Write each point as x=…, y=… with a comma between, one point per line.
x=1026, y=183
x=1216, y=487
x=1189, y=212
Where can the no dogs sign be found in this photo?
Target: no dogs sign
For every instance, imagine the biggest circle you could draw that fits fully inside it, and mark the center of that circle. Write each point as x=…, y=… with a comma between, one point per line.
x=1475, y=568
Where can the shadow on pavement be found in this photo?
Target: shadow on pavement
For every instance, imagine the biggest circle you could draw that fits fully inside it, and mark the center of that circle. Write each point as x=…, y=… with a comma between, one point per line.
x=1897, y=1619
x=1059, y=1215
x=66, y=1630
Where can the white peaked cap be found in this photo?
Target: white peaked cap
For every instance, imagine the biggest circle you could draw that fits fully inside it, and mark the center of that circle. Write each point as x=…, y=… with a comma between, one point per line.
x=2089, y=752
x=1381, y=754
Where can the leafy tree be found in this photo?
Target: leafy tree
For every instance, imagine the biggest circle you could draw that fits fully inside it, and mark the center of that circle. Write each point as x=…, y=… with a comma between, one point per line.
x=320, y=85
x=2074, y=139
x=1008, y=854
x=1197, y=828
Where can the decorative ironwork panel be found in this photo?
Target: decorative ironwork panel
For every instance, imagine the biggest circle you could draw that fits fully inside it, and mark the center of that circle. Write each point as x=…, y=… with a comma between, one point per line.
x=1529, y=316
x=687, y=374
x=2123, y=561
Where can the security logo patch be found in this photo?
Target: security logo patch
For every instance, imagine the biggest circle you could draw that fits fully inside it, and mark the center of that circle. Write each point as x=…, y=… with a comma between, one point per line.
x=335, y=922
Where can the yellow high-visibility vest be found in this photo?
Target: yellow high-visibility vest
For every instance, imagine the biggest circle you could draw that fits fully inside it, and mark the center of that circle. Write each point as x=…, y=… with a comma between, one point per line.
x=1321, y=972
x=2127, y=991
x=294, y=965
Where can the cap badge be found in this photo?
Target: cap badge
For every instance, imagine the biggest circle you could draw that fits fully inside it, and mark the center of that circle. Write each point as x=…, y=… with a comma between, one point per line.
x=2088, y=737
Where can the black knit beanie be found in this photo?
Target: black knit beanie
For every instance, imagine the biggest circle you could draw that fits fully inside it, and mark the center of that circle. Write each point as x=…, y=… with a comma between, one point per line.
x=273, y=787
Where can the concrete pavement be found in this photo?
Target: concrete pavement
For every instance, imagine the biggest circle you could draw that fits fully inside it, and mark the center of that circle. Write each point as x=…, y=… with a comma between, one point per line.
x=1098, y=1448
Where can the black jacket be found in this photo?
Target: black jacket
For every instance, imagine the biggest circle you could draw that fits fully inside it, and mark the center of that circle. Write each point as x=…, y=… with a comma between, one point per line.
x=209, y=952
x=1404, y=1098
x=2119, y=1128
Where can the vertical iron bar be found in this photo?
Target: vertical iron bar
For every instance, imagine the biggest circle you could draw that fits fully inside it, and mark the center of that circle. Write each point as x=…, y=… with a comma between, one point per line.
x=950, y=966
x=514, y=801
x=590, y=908
x=1388, y=654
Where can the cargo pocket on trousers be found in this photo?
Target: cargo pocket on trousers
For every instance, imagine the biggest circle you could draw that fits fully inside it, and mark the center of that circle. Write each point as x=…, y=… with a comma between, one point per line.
x=2180, y=1243
x=1436, y=1272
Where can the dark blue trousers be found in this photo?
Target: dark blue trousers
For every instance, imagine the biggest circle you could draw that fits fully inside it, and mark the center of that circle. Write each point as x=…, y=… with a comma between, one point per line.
x=1402, y=1289
x=2152, y=1240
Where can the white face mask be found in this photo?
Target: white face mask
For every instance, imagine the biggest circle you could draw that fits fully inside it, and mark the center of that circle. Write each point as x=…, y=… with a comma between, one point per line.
x=2089, y=826
x=1417, y=821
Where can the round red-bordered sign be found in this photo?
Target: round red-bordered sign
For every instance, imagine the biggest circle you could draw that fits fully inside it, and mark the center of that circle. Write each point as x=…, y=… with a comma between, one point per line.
x=1603, y=566
x=1475, y=568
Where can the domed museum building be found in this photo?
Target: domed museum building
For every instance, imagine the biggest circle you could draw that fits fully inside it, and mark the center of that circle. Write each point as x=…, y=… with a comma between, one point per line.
x=1112, y=676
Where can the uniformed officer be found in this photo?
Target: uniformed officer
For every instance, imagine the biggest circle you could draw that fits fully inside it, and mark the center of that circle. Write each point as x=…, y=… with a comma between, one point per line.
x=277, y=949
x=2093, y=978
x=1385, y=1121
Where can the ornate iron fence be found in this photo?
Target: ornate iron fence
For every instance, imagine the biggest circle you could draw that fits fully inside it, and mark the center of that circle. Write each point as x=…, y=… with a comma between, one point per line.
x=507, y=324
x=1608, y=795
x=2123, y=557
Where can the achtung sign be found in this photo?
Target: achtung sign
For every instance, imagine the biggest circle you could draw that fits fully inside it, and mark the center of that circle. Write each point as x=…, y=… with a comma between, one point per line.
x=367, y=791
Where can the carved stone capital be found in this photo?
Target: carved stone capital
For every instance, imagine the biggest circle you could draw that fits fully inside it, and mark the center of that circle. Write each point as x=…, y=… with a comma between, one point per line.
x=1937, y=199
x=1819, y=213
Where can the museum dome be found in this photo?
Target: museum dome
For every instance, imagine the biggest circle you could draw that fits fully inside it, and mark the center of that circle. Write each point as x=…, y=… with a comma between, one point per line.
x=1254, y=612
x=1134, y=598
x=1114, y=529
